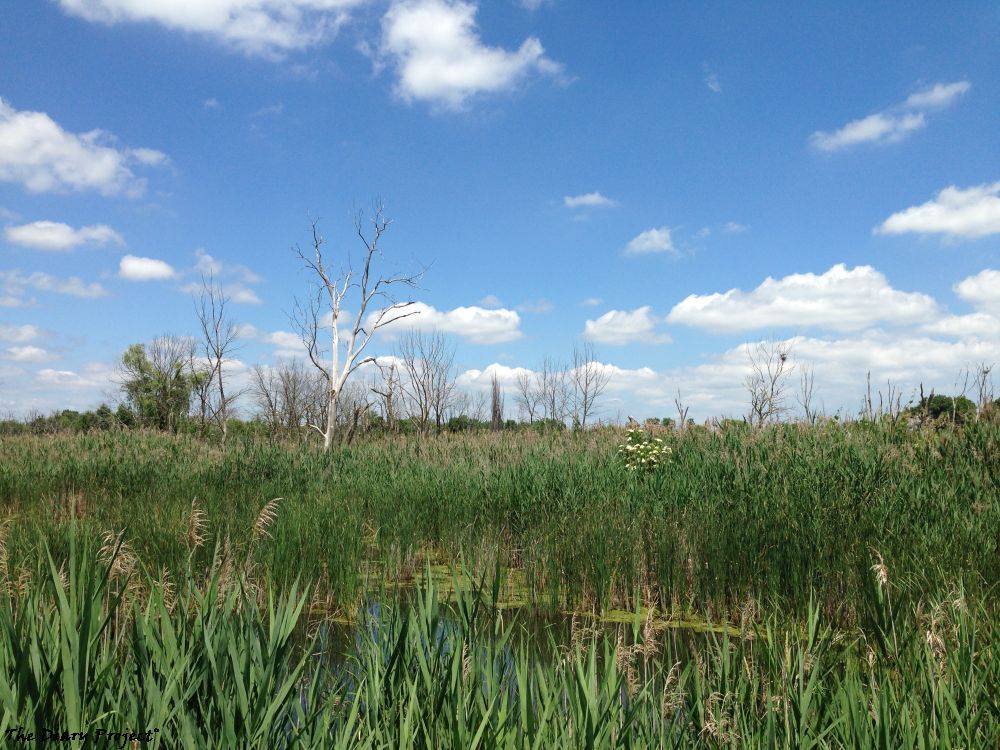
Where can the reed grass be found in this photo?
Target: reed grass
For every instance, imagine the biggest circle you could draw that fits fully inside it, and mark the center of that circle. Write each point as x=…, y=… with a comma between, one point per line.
x=214, y=666
x=735, y=516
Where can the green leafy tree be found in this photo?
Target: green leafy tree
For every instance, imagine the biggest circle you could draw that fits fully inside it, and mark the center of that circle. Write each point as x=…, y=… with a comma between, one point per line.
x=157, y=383
x=939, y=407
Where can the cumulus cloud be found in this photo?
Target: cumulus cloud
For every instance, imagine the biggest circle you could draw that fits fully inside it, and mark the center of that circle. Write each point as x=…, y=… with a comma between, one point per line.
x=981, y=290
x=136, y=268
x=491, y=300
x=588, y=200
x=840, y=299
x=30, y=354
x=476, y=325
x=893, y=124
x=651, y=241
x=39, y=154
x=619, y=327
x=261, y=27
x=19, y=334
x=438, y=56
x=591, y=301
x=955, y=212
x=54, y=235
x=483, y=379
x=974, y=325
x=14, y=284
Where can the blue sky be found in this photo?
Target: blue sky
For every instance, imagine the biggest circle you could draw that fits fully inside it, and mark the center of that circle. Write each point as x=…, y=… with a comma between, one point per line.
x=667, y=181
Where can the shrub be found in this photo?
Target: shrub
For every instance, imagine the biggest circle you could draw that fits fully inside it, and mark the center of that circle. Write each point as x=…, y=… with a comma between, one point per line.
x=641, y=452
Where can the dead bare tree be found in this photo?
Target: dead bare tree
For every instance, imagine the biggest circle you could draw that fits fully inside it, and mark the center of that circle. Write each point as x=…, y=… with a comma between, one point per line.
x=984, y=387
x=589, y=378
x=496, y=405
x=391, y=395
x=528, y=396
x=370, y=295
x=287, y=396
x=266, y=395
x=427, y=361
x=807, y=385
x=355, y=403
x=219, y=341
x=552, y=383
x=767, y=380
x=682, y=411
x=201, y=388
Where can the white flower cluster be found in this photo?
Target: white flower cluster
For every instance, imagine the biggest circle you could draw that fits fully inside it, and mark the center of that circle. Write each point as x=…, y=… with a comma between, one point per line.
x=642, y=452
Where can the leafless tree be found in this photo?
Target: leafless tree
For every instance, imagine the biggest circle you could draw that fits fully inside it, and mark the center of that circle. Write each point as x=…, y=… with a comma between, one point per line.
x=288, y=396
x=682, y=411
x=388, y=389
x=984, y=386
x=355, y=403
x=589, y=379
x=806, y=394
x=219, y=341
x=528, y=396
x=201, y=388
x=767, y=380
x=373, y=298
x=552, y=383
x=427, y=361
x=496, y=405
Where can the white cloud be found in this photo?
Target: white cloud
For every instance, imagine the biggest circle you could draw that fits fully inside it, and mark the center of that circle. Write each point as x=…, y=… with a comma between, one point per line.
x=651, y=241
x=974, y=325
x=483, y=379
x=982, y=290
x=475, y=324
x=491, y=300
x=19, y=334
x=241, y=294
x=591, y=301
x=264, y=27
x=211, y=103
x=840, y=299
x=26, y=354
x=588, y=200
x=36, y=152
x=969, y=213
x=893, y=124
x=733, y=227
x=236, y=292
x=208, y=265
x=236, y=278
x=136, y=268
x=937, y=95
x=536, y=306
x=435, y=49
x=878, y=128
x=54, y=235
x=619, y=327
x=14, y=284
